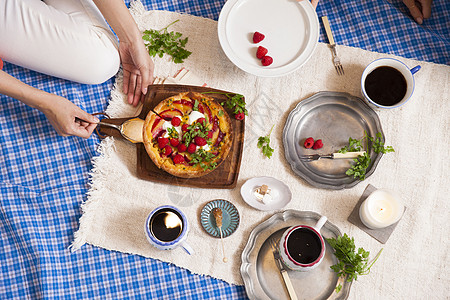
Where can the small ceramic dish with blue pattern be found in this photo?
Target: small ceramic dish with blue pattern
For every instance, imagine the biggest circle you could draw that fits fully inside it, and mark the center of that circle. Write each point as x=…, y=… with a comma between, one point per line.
x=230, y=218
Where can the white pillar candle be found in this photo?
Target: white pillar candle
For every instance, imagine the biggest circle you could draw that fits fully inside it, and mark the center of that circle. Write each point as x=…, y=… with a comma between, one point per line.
x=380, y=209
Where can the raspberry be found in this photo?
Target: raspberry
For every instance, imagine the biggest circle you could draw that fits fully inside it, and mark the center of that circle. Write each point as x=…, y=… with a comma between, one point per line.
x=266, y=60
x=199, y=141
x=162, y=142
x=176, y=121
x=210, y=134
x=182, y=148
x=309, y=142
x=167, y=150
x=192, y=147
x=317, y=144
x=201, y=120
x=239, y=116
x=184, y=127
x=178, y=159
x=258, y=37
x=174, y=142
x=261, y=52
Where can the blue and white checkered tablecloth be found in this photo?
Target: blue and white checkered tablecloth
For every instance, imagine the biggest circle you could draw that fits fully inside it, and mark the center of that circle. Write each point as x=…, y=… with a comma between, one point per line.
x=44, y=177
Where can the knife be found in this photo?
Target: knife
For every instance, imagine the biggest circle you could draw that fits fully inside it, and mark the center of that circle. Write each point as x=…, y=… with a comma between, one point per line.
x=283, y=271
x=336, y=155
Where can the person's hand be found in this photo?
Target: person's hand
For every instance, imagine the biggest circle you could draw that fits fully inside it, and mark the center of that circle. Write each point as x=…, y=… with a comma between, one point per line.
x=136, y=62
x=137, y=70
x=65, y=117
x=419, y=9
x=69, y=119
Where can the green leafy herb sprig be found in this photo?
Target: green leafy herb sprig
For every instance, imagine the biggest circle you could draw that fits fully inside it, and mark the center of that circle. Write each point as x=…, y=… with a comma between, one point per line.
x=193, y=130
x=362, y=162
x=201, y=156
x=264, y=144
x=235, y=102
x=350, y=262
x=160, y=42
x=196, y=103
x=172, y=133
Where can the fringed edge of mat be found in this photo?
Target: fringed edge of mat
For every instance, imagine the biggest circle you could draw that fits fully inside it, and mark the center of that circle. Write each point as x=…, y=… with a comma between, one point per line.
x=105, y=149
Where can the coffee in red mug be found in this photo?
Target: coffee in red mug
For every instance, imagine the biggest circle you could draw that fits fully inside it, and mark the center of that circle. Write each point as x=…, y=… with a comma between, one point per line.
x=302, y=247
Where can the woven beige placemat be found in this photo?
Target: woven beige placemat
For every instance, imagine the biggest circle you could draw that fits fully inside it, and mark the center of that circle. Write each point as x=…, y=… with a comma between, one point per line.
x=118, y=202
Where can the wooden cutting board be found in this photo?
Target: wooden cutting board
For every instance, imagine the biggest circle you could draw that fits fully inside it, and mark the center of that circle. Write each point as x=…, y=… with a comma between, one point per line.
x=224, y=177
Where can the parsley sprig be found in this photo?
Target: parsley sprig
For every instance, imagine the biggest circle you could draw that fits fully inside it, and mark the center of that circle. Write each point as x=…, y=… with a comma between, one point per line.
x=378, y=144
x=173, y=133
x=235, y=102
x=264, y=144
x=196, y=103
x=193, y=130
x=160, y=42
x=201, y=156
x=351, y=263
x=362, y=162
x=358, y=170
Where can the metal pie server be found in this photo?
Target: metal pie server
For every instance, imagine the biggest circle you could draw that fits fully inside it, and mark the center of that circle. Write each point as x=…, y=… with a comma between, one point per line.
x=130, y=129
x=283, y=271
x=348, y=155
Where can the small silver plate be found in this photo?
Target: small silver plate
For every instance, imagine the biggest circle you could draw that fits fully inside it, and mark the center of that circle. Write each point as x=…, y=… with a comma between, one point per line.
x=333, y=117
x=261, y=276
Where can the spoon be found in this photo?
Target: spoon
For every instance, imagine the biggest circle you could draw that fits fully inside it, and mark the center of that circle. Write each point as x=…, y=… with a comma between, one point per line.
x=217, y=212
x=130, y=129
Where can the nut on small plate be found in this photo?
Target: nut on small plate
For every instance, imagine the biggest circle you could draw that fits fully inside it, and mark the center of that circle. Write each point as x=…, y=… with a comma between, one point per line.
x=263, y=195
x=264, y=189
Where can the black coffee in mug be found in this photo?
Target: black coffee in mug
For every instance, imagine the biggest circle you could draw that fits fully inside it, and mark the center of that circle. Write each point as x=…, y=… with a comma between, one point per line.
x=385, y=86
x=166, y=225
x=304, y=245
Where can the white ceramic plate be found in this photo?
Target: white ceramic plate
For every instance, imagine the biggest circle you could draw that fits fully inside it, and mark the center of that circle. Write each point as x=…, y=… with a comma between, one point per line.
x=291, y=32
x=280, y=193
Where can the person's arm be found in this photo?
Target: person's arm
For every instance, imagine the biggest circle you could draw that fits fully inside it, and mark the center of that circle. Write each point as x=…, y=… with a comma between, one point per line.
x=65, y=117
x=136, y=62
x=419, y=9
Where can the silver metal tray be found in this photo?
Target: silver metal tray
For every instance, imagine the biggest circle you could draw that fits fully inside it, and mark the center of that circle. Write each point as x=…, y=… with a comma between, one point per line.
x=332, y=117
x=261, y=276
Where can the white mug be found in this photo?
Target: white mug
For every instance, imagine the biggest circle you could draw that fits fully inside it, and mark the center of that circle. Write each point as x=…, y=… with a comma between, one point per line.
x=302, y=247
x=386, y=85
x=166, y=228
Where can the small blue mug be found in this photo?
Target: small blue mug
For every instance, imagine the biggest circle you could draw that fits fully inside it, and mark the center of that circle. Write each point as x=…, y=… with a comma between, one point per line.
x=166, y=228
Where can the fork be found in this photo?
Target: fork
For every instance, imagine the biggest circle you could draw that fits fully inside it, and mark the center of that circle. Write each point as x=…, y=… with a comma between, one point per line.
x=336, y=59
x=313, y=157
x=287, y=280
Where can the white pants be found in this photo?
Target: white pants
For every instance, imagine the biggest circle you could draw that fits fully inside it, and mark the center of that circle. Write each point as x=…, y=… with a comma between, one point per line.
x=63, y=38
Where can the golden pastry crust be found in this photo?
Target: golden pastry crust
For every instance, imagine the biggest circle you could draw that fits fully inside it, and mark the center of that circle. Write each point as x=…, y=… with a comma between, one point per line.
x=211, y=135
